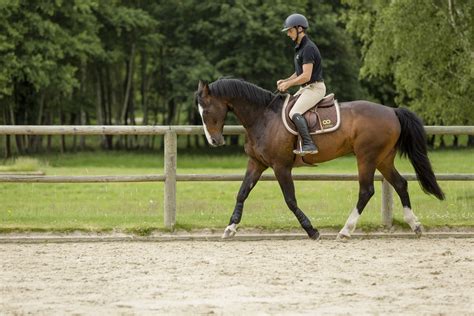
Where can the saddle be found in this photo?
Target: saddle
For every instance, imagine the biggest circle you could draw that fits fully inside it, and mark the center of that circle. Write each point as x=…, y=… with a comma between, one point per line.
x=323, y=117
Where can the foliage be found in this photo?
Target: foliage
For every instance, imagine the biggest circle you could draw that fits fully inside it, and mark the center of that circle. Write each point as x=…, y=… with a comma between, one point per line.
x=138, y=62
x=425, y=48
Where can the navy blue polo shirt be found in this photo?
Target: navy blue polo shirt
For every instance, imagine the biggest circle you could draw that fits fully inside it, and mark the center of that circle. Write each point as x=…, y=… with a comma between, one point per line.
x=307, y=52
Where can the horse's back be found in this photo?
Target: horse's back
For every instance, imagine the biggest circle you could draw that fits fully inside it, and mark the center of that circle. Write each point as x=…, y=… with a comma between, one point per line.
x=366, y=115
x=370, y=124
x=364, y=125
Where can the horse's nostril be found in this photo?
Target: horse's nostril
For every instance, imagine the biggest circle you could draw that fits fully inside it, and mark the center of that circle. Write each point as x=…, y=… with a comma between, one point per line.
x=213, y=140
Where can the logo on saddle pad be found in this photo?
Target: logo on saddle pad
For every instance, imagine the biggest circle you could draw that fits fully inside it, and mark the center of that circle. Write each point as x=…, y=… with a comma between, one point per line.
x=323, y=117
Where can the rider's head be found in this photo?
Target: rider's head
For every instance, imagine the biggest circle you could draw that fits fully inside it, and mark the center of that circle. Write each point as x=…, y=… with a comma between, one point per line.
x=294, y=25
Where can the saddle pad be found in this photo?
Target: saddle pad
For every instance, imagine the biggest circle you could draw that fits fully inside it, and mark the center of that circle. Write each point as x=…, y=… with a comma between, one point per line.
x=323, y=117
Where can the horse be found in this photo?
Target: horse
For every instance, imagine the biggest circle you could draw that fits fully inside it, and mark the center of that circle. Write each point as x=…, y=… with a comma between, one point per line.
x=374, y=133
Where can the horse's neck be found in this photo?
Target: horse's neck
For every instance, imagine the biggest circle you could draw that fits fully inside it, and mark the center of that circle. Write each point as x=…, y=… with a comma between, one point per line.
x=253, y=116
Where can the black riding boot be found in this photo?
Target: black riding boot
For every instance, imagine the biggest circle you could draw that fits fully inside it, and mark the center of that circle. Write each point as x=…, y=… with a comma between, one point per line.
x=308, y=146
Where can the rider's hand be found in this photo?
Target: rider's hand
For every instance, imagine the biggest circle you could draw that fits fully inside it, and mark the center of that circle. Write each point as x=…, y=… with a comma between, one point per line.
x=283, y=86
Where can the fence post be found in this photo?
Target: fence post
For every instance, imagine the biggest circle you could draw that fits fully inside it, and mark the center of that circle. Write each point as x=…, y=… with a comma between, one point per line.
x=170, y=179
x=387, y=204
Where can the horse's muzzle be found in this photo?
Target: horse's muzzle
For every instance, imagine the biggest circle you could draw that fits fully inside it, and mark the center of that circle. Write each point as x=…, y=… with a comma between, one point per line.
x=216, y=142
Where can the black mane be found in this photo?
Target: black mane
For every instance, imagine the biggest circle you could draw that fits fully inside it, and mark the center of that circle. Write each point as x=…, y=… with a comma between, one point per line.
x=238, y=88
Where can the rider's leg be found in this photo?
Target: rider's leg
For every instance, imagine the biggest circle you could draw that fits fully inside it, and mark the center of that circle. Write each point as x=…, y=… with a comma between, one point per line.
x=309, y=96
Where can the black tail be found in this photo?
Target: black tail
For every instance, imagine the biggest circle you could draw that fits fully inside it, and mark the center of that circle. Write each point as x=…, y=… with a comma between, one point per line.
x=412, y=143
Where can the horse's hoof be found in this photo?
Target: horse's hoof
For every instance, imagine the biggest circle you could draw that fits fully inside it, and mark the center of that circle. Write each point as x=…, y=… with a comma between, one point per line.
x=342, y=238
x=229, y=231
x=316, y=236
x=418, y=231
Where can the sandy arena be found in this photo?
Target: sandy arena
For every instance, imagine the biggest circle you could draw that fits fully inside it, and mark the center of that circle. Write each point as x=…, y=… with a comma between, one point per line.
x=376, y=276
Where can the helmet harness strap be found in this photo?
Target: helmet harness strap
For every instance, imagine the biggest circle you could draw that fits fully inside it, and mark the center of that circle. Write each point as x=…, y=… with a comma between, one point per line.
x=298, y=32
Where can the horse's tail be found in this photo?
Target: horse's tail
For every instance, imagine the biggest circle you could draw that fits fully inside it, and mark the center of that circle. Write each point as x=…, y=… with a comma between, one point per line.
x=412, y=143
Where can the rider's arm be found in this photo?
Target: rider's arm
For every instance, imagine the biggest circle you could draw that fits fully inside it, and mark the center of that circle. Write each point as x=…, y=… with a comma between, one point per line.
x=303, y=78
x=293, y=76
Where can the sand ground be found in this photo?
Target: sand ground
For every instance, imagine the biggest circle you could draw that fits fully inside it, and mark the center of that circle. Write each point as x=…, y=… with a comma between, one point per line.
x=375, y=277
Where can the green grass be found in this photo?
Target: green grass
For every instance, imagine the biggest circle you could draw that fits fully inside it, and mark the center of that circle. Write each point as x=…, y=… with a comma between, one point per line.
x=21, y=164
x=138, y=207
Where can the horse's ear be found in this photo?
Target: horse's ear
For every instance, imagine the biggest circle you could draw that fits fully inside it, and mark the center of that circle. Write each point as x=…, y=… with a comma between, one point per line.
x=203, y=88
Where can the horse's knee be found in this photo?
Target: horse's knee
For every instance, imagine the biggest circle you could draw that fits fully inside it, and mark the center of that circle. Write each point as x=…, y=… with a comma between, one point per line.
x=292, y=204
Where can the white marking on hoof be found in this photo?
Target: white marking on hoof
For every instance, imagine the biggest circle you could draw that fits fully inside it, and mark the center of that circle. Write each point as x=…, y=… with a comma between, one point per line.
x=343, y=238
x=412, y=220
x=229, y=231
x=350, y=225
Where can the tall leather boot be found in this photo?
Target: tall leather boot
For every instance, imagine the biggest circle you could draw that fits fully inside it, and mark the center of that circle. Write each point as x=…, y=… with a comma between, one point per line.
x=308, y=146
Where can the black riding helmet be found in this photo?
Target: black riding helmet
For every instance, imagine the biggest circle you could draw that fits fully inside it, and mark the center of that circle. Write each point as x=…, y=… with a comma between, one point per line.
x=295, y=20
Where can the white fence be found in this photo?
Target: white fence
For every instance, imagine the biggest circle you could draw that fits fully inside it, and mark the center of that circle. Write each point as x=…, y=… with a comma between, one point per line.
x=170, y=176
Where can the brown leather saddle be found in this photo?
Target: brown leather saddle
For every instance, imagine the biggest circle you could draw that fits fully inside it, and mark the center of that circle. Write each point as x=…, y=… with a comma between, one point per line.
x=323, y=117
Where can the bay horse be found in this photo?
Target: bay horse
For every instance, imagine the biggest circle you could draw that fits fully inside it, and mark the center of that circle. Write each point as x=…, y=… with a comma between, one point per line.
x=373, y=132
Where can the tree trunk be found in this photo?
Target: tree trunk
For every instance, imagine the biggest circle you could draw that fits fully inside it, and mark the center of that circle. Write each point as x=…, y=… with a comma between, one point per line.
x=49, y=121
x=455, y=141
x=442, y=144
x=18, y=138
x=431, y=141
x=100, y=109
x=8, y=149
x=82, y=113
x=144, y=86
x=171, y=112
x=128, y=85
x=62, y=120
x=108, y=100
x=470, y=141
x=73, y=121
x=37, y=140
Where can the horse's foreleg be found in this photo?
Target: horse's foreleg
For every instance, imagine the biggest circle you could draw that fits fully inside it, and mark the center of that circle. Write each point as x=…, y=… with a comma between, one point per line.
x=252, y=175
x=366, y=191
x=287, y=186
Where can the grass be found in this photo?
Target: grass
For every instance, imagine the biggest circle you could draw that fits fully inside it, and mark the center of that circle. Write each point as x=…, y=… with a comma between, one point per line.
x=21, y=164
x=138, y=207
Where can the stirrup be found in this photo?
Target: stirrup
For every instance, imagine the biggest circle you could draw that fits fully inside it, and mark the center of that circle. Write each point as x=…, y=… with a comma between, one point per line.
x=305, y=152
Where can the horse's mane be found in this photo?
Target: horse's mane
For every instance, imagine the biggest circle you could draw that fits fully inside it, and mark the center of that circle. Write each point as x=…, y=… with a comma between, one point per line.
x=231, y=87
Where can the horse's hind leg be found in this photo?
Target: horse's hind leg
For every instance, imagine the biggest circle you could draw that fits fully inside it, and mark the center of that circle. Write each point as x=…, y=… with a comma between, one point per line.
x=366, y=191
x=283, y=175
x=387, y=169
x=252, y=175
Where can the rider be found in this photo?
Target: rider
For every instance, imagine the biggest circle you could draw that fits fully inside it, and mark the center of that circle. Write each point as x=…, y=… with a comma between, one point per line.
x=308, y=74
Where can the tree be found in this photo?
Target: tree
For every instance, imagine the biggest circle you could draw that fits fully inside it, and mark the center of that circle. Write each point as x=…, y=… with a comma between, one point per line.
x=44, y=44
x=425, y=48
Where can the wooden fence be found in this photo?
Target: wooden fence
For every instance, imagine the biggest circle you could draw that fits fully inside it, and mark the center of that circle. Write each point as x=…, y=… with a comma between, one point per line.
x=170, y=176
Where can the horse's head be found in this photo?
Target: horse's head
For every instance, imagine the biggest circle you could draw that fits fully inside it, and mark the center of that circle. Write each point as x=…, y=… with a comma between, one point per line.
x=213, y=111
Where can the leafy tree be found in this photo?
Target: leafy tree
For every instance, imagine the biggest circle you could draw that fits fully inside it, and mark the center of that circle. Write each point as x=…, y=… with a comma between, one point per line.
x=425, y=48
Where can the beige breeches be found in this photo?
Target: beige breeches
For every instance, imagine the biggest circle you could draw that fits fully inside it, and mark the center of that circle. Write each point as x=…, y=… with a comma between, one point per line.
x=309, y=96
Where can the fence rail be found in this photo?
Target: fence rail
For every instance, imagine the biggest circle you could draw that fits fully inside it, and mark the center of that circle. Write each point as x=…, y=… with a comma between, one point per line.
x=161, y=130
x=38, y=178
x=170, y=176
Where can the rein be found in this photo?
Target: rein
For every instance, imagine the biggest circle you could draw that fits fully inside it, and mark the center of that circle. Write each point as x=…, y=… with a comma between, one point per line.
x=277, y=94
